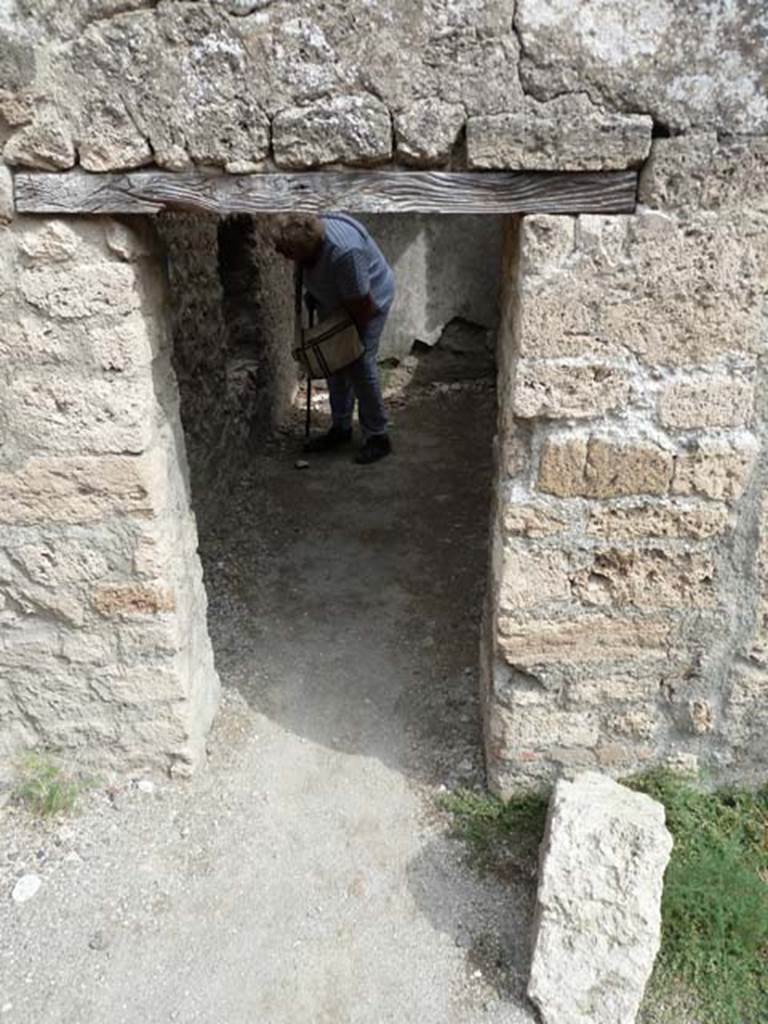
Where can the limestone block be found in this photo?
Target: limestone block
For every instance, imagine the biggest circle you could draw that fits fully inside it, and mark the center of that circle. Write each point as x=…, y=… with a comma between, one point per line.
x=16, y=108
x=598, y=916
x=33, y=341
x=530, y=577
x=697, y=520
x=679, y=331
x=7, y=207
x=553, y=390
x=546, y=245
x=673, y=295
x=46, y=144
x=650, y=57
x=128, y=346
x=17, y=60
x=715, y=468
x=568, y=133
x=745, y=719
x=228, y=133
x=603, y=467
x=696, y=171
x=52, y=561
x=531, y=727
x=578, y=640
x=85, y=648
x=63, y=604
x=638, y=687
x=344, y=129
x=427, y=130
x=531, y=520
x=711, y=400
x=81, y=291
x=73, y=415
x=51, y=241
x=647, y=579
x=638, y=724
x=109, y=140
x=82, y=489
x=128, y=240
x=128, y=599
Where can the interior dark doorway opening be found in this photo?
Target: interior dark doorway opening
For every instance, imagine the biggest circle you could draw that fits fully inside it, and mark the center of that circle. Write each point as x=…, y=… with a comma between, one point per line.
x=345, y=603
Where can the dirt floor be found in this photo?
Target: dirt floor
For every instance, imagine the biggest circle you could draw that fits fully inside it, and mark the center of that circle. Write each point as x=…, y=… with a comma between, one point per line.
x=307, y=876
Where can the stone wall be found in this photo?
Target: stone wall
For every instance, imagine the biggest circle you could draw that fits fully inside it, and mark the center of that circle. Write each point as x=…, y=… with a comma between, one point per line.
x=104, y=652
x=445, y=267
x=629, y=623
x=231, y=301
x=628, y=620
x=245, y=84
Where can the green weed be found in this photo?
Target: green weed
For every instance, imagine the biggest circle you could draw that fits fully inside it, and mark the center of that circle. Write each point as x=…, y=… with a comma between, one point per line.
x=495, y=829
x=45, y=787
x=715, y=903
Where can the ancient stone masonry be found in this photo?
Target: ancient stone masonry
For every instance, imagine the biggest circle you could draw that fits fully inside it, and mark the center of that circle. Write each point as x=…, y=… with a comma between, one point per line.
x=630, y=622
x=628, y=613
x=103, y=646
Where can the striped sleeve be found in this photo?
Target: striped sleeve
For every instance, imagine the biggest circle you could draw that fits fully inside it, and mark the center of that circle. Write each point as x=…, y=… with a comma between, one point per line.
x=352, y=277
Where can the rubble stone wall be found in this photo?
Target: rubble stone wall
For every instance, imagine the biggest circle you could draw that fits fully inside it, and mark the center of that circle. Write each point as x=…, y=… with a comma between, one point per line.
x=629, y=622
x=231, y=305
x=104, y=652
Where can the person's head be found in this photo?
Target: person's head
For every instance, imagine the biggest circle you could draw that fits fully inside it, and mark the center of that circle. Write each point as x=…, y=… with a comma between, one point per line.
x=298, y=236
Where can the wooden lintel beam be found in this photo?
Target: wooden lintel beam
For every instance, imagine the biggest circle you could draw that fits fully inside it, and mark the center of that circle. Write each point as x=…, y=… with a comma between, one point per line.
x=149, y=192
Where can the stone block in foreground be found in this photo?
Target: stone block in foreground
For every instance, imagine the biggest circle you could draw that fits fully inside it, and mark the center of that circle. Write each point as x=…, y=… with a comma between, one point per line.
x=598, y=920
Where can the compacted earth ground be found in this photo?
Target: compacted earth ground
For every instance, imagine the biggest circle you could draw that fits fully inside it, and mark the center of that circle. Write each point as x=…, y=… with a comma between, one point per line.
x=307, y=874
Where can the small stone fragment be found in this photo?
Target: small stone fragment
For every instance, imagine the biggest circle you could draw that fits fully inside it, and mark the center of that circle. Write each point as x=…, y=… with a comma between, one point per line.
x=301, y=464
x=145, y=786
x=26, y=887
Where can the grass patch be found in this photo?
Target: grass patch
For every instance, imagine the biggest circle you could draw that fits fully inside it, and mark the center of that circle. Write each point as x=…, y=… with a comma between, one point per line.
x=715, y=903
x=46, y=788
x=494, y=830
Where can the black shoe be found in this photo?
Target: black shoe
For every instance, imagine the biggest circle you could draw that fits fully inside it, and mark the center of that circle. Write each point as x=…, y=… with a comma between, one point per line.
x=334, y=438
x=376, y=447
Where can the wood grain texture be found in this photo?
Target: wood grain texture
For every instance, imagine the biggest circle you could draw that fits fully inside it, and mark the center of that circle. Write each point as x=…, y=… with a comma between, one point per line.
x=78, y=192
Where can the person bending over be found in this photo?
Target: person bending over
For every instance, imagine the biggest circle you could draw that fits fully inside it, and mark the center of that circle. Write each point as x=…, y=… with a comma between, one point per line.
x=343, y=267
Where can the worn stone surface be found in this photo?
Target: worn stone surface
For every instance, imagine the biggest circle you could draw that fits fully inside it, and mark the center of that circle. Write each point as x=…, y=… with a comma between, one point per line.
x=714, y=400
x=427, y=130
x=6, y=196
x=603, y=467
x=91, y=475
x=715, y=468
x=598, y=917
x=656, y=58
x=46, y=143
x=349, y=129
x=568, y=133
x=586, y=638
x=696, y=520
x=632, y=546
x=552, y=390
